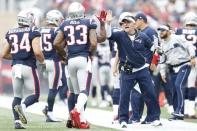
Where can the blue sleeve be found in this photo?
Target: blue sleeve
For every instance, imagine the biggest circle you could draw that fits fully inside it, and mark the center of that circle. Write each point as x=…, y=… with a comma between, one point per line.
x=92, y=24
x=61, y=27
x=115, y=35
x=56, y=31
x=35, y=33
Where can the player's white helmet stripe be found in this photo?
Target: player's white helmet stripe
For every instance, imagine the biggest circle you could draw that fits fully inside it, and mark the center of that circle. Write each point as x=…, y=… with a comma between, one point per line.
x=76, y=11
x=25, y=18
x=54, y=17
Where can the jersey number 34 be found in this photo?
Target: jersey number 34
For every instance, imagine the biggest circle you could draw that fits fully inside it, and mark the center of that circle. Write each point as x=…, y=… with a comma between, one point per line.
x=17, y=45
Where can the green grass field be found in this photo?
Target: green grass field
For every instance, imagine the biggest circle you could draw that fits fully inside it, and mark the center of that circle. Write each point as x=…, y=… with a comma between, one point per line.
x=37, y=123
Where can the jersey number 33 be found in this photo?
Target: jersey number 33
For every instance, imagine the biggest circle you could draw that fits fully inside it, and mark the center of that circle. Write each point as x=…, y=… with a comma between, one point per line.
x=72, y=38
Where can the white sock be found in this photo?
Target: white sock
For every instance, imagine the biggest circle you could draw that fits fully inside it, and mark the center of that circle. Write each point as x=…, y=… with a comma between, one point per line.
x=186, y=107
x=17, y=121
x=65, y=101
x=81, y=100
x=115, y=110
x=50, y=113
x=82, y=115
x=23, y=107
x=191, y=108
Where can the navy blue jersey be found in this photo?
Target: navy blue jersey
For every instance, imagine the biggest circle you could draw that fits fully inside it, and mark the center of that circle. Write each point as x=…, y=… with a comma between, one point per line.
x=189, y=34
x=48, y=35
x=152, y=34
x=103, y=54
x=131, y=50
x=20, y=40
x=76, y=34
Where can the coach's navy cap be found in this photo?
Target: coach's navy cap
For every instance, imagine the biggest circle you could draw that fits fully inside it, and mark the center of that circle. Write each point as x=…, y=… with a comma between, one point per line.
x=141, y=16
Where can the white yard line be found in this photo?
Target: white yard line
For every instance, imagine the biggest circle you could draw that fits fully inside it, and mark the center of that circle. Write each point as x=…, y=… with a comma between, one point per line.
x=103, y=118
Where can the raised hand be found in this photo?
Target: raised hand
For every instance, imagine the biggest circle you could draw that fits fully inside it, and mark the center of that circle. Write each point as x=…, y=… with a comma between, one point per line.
x=102, y=16
x=109, y=16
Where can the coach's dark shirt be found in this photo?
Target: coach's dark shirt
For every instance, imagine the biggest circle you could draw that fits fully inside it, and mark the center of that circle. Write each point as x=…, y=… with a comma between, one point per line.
x=133, y=50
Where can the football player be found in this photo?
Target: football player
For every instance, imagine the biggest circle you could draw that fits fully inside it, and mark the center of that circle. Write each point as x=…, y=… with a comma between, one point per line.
x=53, y=64
x=179, y=56
x=104, y=57
x=189, y=32
x=115, y=80
x=80, y=36
x=81, y=40
x=22, y=46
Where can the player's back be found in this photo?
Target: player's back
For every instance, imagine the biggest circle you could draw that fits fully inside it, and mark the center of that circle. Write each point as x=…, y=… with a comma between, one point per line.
x=20, y=40
x=48, y=35
x=189, y=34
x=76, y=34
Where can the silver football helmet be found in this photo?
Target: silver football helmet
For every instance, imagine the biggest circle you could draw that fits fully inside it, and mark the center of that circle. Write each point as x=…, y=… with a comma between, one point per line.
x=190, y=18
x=25, y=18
x=54, y=17
x=76, y=11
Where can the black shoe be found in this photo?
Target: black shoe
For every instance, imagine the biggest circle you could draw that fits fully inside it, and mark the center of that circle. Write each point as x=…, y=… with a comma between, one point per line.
x=19, y=110
x=69, y=124
x=18, y=125
x=45, y=111
x=145, y=122
x=175, y=118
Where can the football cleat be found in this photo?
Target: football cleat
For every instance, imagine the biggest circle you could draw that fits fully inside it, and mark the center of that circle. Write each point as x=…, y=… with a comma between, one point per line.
x=145, y=122
x=52, y=119
x=175, y=118
x=45, y=111
x=69, y=124
x=123, y=124
x=18, y=125
x=19, y=110
x=178, y=114
x=84, y=125
x=131, y=121
x=75, y=116
x=49, y=118
x=156, y=123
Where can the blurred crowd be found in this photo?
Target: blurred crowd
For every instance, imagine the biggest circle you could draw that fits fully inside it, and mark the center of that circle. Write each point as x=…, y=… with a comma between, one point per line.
x=160, y=11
